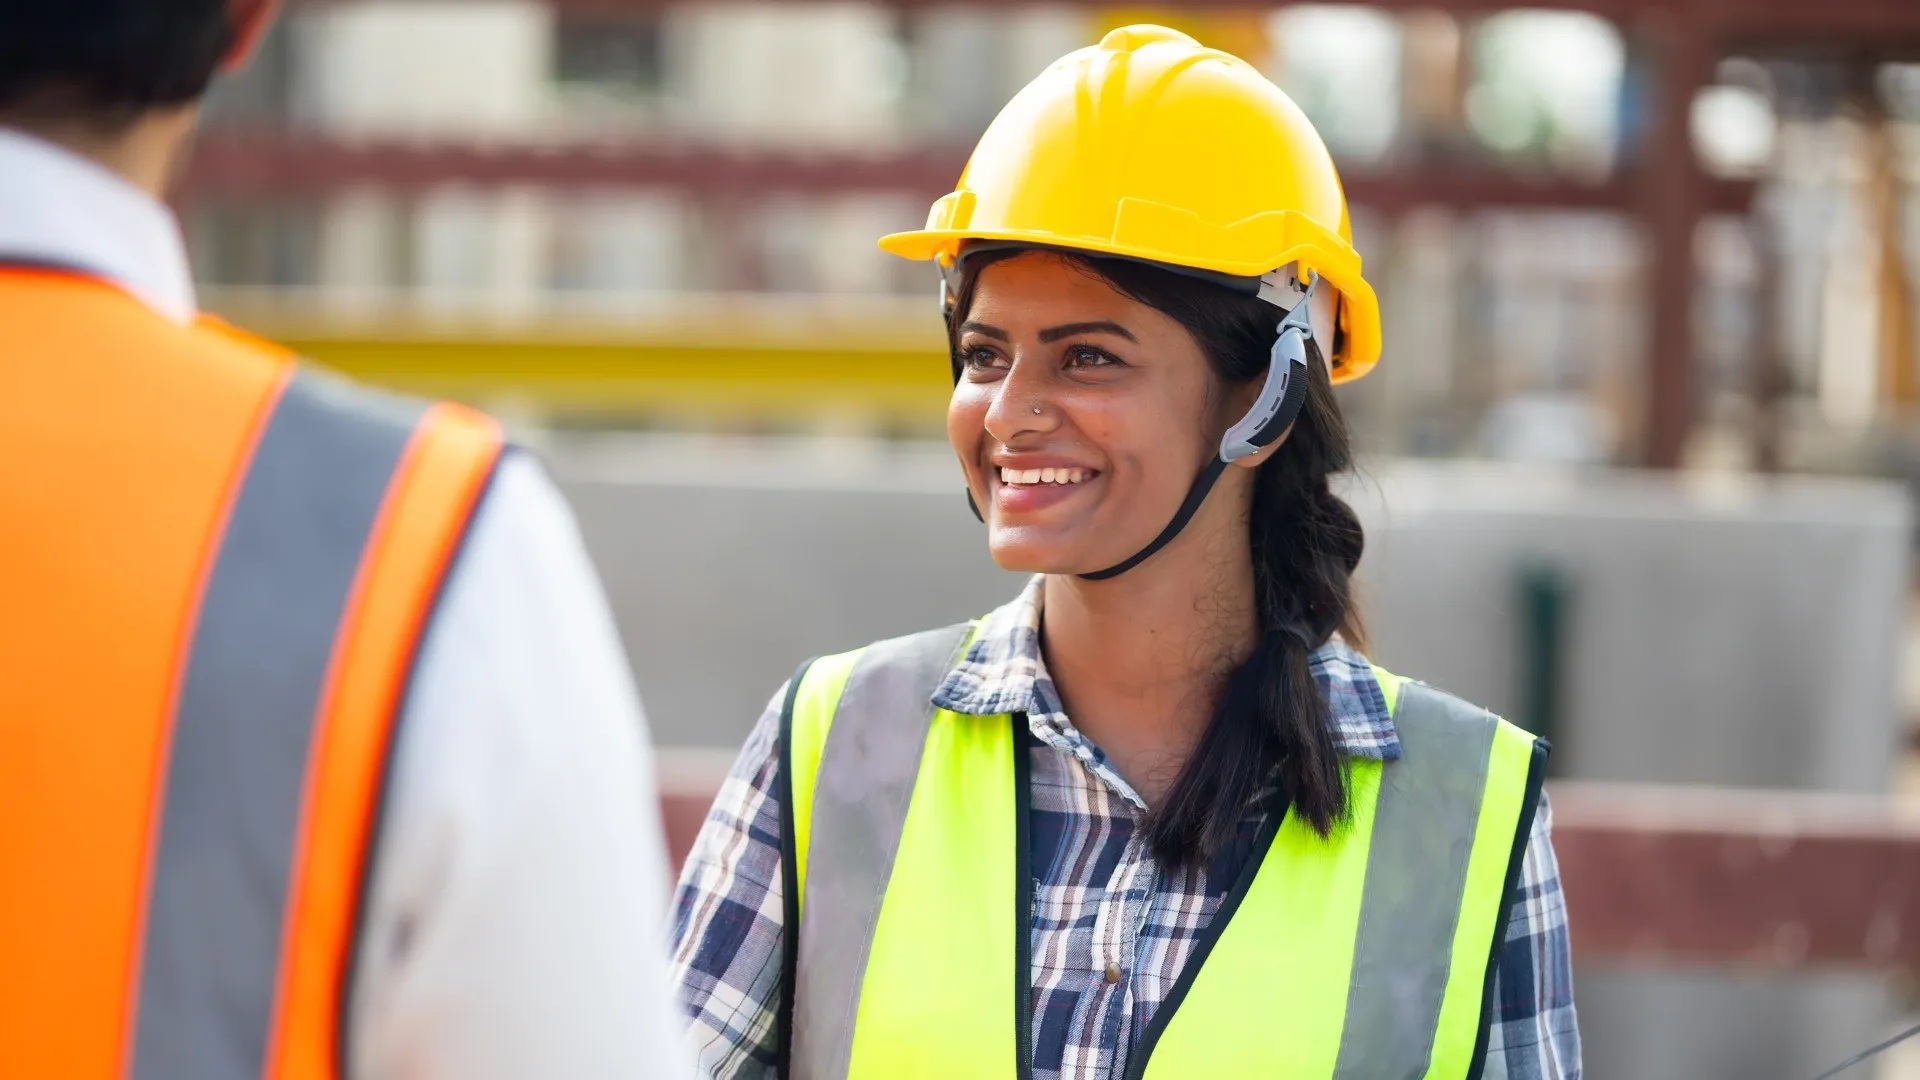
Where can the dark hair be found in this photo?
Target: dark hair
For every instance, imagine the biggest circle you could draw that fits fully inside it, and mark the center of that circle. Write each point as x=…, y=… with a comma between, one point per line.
x=107, y=61
x=1271, y=720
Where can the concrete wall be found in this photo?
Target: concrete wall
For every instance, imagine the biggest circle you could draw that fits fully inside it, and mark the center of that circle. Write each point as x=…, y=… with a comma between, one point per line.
x=721, y=593
x=1724, y=632
x=730, y=562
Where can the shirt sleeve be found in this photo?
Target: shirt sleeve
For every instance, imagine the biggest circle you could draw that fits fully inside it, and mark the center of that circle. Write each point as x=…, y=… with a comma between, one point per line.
x=514, y=923
x=1536, y=1034
x=728, y=933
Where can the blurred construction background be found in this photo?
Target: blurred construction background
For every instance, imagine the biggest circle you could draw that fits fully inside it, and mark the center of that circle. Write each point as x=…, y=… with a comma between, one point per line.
x=1639, y=454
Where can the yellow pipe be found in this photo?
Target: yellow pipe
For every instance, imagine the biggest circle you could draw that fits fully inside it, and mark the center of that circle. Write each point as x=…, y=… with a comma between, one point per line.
x=722, y=365
x=600, y=379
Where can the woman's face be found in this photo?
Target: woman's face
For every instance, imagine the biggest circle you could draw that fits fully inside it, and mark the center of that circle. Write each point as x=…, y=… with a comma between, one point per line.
x=1080, y=415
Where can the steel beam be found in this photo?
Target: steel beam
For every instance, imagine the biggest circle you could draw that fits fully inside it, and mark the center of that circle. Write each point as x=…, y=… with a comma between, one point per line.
x=230, y=164
x=1672, y=200
x=1783, y=21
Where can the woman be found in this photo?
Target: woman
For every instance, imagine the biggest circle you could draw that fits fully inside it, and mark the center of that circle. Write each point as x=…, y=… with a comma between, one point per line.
x=1156, y=817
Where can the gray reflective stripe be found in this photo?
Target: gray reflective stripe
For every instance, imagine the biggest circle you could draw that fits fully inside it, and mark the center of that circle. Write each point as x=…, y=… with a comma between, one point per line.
x=867, y=772
x=236, y=769
x=1423, y=835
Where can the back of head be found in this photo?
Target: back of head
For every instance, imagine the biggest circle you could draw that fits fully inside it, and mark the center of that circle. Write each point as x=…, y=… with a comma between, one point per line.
x=104, y=63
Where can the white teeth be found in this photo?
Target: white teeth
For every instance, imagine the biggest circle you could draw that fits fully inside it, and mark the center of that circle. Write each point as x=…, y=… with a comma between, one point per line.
x=1043, y=476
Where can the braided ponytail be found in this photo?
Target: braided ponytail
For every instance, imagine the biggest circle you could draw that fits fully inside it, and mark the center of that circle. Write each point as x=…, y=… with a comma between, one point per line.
x=1272, y=720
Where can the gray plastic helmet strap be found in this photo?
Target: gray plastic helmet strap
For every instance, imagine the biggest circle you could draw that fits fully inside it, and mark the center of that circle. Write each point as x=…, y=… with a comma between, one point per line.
x=1284, y=392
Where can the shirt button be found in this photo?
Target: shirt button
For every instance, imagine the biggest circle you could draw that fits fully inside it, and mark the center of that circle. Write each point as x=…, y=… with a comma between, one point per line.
x=1113, y=973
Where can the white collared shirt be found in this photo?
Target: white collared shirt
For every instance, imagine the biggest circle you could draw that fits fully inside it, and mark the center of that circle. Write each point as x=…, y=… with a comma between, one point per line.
x=515, y=925
x=58, y=207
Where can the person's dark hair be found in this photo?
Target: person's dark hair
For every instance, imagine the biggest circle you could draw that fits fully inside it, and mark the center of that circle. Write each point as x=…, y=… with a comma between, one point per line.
x=107, y=61
x=1271, y=721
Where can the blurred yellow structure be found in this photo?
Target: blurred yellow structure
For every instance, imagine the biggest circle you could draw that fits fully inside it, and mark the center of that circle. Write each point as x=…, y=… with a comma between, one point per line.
x=773, y=363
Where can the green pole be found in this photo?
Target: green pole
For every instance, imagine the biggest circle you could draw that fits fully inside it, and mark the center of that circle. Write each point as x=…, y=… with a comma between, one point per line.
x=1544, y=598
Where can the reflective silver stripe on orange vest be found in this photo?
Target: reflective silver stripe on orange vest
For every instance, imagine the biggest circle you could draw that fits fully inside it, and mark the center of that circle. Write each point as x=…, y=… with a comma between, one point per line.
x=1424, y=830
x=866, y=778
x=237, y=768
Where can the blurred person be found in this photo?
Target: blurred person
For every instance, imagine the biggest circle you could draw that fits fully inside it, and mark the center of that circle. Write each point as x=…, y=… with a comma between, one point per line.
x=319, y=755
x=1249, y=852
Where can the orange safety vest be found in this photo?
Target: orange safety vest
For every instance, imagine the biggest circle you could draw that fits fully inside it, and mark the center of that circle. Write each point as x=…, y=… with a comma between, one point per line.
x=215, y=570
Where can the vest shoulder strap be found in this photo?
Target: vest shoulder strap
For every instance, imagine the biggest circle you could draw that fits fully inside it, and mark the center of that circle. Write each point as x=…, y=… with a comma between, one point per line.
x=1402, y=911
x=871, y=729
x=332, y=557
x=1454, y=816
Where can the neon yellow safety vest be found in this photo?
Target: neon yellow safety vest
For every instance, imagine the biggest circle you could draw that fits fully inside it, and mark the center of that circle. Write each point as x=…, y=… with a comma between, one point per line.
x=1367, y=956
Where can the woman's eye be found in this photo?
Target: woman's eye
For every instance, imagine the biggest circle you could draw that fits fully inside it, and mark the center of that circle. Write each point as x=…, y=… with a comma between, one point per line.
x=1085, y=357
x=980, y=359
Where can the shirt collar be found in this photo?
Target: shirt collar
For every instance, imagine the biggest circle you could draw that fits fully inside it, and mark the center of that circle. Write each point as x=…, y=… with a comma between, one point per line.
x=60, y=208
x=1004, y=672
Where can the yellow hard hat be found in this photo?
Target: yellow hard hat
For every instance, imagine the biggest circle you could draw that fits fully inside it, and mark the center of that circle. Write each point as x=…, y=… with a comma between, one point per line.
x=1149, y=146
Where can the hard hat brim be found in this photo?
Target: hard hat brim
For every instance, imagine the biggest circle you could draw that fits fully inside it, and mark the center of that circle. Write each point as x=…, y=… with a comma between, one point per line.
x=1360, y=308
x=927, y=244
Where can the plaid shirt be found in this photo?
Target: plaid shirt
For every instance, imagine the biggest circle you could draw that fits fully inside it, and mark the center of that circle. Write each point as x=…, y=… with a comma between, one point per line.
x=1101, y=897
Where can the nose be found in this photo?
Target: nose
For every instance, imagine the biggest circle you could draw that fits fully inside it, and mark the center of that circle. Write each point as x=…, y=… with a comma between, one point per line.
x=1021, y=404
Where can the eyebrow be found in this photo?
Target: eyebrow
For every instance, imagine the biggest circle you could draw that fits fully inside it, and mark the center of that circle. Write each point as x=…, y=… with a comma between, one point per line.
x=1055, y=333
x=993, y=332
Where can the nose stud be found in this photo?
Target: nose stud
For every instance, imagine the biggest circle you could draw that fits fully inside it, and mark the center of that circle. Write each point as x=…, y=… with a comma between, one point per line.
x=1036, y=410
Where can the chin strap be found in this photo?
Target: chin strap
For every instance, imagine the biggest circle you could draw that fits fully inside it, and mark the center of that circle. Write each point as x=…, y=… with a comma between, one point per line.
x=1273, y=412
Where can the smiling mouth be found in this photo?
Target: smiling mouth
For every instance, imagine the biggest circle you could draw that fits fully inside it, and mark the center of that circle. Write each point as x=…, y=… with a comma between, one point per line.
x=1031, y=477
